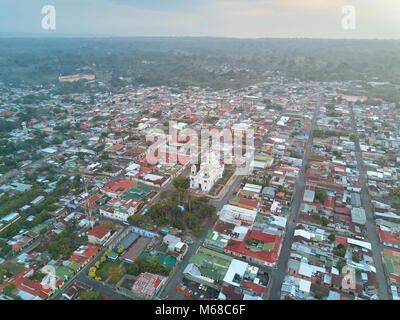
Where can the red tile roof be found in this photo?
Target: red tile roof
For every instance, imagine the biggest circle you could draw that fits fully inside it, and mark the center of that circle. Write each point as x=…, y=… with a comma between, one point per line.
x=254, y=287
x=341, y=240
x=390, y=237
x=99, y=232
x=24, y=284
x=342, y=210
x=329, y=202
x=116, y=184
x=269, y=256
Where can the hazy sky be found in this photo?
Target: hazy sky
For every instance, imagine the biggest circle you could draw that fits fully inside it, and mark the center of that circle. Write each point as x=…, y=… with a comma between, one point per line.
x=221, y=18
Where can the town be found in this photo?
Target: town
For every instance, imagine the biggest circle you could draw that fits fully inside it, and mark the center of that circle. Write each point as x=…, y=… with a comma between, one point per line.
x=85, y=216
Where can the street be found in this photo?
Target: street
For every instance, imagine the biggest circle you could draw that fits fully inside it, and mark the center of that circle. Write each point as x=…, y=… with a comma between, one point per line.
x=177, y=277
x=371, y=225
x=278, y=275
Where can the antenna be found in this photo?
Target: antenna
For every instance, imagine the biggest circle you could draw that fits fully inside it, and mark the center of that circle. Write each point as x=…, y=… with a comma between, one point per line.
x=86, y=206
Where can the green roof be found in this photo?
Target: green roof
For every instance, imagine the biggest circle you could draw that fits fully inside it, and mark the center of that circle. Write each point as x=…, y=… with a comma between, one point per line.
x=167, y=261
x=284, y=211
x=392, y=264
x=112, y=255
x=75, y=266
x=209, y=258
x=138, y=191
x=216, y=237
x=64, y=272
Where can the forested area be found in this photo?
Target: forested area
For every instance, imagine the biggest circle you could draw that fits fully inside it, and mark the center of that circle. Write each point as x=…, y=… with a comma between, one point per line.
x=208, y=62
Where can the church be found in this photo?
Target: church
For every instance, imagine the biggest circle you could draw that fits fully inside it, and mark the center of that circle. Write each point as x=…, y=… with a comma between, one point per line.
x=210, y=171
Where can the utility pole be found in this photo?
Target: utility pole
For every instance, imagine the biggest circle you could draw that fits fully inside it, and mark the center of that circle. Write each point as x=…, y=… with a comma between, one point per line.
x=86, y=205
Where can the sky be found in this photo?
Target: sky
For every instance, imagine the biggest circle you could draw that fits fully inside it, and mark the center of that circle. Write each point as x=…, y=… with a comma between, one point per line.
x=376, y=19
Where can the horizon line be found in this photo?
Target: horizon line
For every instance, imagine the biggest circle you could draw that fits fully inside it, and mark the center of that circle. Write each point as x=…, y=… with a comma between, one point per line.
x=21, y=35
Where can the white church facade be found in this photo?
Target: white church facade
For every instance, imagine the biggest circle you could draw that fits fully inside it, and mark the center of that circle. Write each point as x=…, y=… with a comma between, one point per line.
x=210, y=171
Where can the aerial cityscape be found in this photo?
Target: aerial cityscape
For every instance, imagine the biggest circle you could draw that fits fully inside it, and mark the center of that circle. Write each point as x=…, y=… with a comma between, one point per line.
x=198, y=168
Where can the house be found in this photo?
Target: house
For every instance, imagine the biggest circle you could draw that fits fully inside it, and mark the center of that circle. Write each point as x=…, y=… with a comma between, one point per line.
x=117, y=187
x=309, y=196
x=256, y=247
x=120, y=209
x=268, y=193
x=237, y=215
x=83, y=254
x=358, y=216
x=98, y=235
x=148, y=284
x=28, y=289
x=75, y=290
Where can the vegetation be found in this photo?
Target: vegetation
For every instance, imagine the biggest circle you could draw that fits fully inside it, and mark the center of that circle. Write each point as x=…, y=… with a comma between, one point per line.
x=325, y=221
x=355, y=257
x=90, y=295
x=182, y=62
x=340, y=264
x=320, y=194
x=394, y=193
x=8, y=290
x=319, y=294
x=141, y=265
x=332, y=237
x=328, y=133
x=167, y=212
x=109, y=225
x=340, y=250
x=64, y=244
x=181, y=185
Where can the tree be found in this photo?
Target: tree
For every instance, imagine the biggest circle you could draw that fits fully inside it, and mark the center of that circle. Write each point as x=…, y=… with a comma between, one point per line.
x=340, y=250
x=182, y=185
x=197, y=230
x=115, y=273
x=325, y=221
x=109, y=225
x=332, y=237
x=136, y=219
x=92, y=272
x=319, y=294
x=394, y=193
x=320, y=194
x=105, y=156
x=355, y=257
x=8, y=290
x=249, y=241
x=340, y=264
x=90, y=295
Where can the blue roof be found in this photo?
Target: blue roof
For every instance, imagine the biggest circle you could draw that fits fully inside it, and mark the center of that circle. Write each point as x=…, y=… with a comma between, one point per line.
x=128, y=240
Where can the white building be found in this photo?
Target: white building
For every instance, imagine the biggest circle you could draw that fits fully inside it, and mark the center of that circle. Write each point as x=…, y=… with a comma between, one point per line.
x=210, y=171
x=237, y=215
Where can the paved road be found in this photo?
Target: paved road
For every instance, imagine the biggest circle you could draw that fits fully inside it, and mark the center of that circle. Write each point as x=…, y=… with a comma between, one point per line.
x=82, y=274
x=278, y=275
x=371, y=225
x=177, y=277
